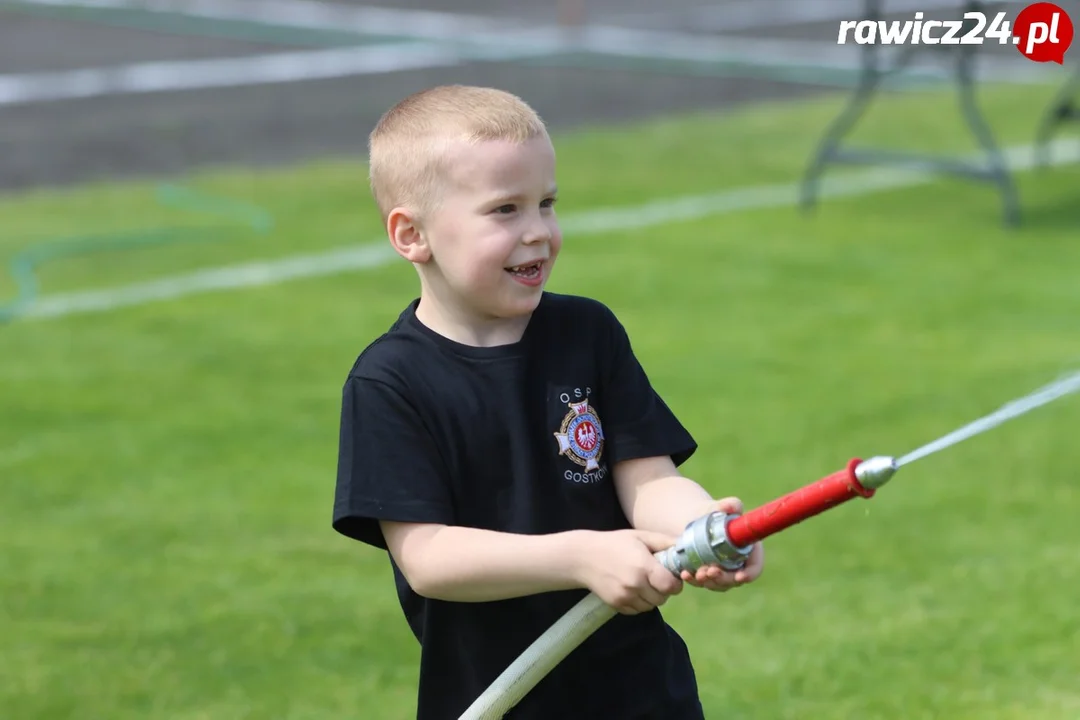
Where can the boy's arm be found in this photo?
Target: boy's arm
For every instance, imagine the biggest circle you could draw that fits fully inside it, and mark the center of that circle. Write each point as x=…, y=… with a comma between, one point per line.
x=469, y=565
x=460, y=564
x=655, y=496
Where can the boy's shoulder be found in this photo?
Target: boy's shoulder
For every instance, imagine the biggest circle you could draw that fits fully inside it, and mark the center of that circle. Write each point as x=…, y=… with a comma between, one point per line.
x=385, y=356
x=570, y=318
x=581, y=306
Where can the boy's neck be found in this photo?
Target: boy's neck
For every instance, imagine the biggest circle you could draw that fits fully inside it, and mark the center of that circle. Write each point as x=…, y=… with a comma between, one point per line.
x=462, y=328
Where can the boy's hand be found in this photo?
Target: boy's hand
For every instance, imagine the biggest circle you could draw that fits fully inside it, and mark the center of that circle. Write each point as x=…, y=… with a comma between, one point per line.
x=620, y=568
x=714, y=577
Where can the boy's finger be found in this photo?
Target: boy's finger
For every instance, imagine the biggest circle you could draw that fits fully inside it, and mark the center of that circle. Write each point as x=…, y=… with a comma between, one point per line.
x=710, y=572
x=754, y=564
x=664, y=582
x=655, y=541
x=653, y=597
x=730, y=505
x=748, y=574
x=718, y=586
x=713, y=577
x=692, y=579
x=724, y=579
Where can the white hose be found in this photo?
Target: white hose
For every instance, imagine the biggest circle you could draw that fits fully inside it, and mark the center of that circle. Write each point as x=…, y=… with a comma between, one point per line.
x=541, y=657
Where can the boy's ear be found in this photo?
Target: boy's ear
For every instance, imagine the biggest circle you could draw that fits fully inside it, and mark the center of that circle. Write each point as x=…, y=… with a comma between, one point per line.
x=403, y=227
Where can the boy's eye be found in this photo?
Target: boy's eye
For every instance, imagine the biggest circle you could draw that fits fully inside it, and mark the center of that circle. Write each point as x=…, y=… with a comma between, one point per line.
x=510, y=208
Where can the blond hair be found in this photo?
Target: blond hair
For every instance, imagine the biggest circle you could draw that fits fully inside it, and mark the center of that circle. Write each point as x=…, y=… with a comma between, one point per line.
x=406, y=147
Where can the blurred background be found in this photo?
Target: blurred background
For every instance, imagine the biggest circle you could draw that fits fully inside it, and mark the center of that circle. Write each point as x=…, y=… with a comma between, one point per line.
x=815, y=262
x=115, y=88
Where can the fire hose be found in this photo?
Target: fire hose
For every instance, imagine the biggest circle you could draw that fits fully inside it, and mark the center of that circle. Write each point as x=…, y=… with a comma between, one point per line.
x=726, y=540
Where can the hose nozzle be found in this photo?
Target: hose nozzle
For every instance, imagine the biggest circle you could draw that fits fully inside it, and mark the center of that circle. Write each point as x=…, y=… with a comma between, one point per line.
x=726, y=539
x=876, y=471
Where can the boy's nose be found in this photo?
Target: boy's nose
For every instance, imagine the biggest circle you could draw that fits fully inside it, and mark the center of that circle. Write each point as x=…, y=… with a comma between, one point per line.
x=538, y=232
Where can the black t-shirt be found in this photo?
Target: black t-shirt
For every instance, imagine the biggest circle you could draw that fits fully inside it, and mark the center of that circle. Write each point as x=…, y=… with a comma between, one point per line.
x=518, y=438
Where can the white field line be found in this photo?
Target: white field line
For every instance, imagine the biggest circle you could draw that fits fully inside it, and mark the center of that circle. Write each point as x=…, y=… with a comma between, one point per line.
x=742, y=15
x=486, y=30
x=150, y=77
x=808, y=55
x=437, y=25
x=467, y=38
x=307, y=65
x=314, y=15
x=659, y=212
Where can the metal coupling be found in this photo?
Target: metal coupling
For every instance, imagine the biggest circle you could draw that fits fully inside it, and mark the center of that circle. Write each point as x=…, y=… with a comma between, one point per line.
x=705, y=542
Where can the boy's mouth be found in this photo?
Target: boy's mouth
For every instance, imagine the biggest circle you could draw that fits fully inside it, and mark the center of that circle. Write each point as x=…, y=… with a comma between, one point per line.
x=528, y=270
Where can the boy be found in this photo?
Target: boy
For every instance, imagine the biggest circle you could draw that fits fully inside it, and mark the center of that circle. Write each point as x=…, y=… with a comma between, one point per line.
x=503, y=443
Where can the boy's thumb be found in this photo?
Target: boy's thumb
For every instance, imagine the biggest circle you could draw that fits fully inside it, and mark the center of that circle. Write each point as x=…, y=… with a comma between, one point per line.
x=655, y=541
x=729, y=505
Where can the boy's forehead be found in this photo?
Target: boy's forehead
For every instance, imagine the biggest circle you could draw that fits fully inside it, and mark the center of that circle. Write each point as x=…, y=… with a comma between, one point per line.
x=499, y=162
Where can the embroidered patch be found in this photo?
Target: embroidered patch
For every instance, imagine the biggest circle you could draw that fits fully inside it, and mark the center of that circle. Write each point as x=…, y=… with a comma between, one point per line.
x=581, y=438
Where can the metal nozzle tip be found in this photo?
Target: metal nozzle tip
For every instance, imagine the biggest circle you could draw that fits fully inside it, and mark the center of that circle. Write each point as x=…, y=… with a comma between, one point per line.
x=876, y=471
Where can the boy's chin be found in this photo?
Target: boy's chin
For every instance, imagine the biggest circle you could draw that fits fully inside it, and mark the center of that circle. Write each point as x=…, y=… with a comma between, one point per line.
x=519, y=306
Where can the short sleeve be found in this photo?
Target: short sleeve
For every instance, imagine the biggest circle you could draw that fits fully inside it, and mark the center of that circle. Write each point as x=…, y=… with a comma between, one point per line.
x=637, y=421
x=389, y=467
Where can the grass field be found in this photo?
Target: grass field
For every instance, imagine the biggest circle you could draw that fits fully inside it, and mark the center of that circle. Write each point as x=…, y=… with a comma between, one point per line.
x=167, y=470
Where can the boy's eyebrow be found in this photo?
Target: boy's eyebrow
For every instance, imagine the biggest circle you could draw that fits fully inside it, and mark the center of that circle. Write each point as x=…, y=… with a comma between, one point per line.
x=515, y=196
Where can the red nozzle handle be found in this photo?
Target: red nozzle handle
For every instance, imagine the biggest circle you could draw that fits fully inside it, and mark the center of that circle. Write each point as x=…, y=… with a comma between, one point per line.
x=797, y=506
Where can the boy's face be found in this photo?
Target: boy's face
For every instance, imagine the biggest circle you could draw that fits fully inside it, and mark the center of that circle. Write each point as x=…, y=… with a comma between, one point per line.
x=493, y=234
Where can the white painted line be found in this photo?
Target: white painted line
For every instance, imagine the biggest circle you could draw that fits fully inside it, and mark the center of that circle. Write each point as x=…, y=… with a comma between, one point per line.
x=480, y=30
x=314, y=15
x=742, y=15
x=866, y=182
x=808, y=55
x=254, y=274
x=306, y=65
x=171, y=76
x=659, y=212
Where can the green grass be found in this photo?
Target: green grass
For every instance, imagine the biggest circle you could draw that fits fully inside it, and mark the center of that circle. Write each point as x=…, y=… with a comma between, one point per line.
x=166, y=471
